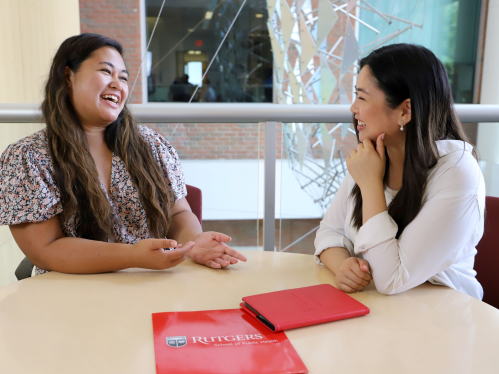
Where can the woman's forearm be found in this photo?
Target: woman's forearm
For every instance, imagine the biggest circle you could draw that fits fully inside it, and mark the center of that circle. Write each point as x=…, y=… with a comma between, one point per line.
x=184, y=227
x=334, y=257
x=373, y=201
x=83, y=256
x=46, y=246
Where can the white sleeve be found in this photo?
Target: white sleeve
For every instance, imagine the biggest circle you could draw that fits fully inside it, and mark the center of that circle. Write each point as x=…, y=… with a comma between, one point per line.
x=331, y=232
x=432, y=242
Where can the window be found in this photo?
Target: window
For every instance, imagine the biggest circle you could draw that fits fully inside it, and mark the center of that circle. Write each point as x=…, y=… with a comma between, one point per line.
x=187, y=37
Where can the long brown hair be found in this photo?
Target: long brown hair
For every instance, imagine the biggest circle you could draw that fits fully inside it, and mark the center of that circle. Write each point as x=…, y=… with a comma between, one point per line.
x=75, y=172
x=406, y=71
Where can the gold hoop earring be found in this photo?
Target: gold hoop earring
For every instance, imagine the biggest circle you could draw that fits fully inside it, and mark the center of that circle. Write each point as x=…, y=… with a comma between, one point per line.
x=402, y=126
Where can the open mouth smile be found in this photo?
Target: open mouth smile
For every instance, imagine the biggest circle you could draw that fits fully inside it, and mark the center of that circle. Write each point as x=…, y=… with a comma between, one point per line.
x=112, y=98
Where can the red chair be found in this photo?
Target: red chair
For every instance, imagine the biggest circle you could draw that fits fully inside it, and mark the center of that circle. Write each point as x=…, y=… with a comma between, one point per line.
x=195, y=199
x=487, y=258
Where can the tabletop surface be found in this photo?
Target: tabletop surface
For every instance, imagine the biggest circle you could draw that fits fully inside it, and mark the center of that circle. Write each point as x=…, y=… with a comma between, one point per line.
x=62, y=323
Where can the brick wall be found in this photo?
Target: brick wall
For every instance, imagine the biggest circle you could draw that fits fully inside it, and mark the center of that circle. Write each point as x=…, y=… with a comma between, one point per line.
x=120, y=20
x=200, y=141
x=203, y=141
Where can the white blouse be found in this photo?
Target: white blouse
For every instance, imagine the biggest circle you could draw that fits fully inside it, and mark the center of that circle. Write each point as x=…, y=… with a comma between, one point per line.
x=437, y=246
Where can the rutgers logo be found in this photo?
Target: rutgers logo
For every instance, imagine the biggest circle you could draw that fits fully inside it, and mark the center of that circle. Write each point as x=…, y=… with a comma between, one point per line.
x=176, y=341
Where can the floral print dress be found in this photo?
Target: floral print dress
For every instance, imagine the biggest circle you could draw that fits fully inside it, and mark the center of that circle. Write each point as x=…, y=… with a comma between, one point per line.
x=28, y=192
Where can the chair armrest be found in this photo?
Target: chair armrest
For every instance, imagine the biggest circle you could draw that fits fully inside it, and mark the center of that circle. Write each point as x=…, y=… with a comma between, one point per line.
x=24, y=269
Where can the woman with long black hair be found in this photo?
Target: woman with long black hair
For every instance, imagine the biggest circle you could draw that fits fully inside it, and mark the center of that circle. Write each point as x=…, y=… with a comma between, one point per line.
x=411, y=208
x=94, y=192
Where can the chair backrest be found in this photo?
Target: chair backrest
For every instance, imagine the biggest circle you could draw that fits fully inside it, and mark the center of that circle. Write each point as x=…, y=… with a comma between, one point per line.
x=487, y=258
x=195, y=199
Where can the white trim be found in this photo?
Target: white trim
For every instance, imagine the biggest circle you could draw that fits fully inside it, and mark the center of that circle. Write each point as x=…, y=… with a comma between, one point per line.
x=482, y=34
x=143, y=44
x=269, y=189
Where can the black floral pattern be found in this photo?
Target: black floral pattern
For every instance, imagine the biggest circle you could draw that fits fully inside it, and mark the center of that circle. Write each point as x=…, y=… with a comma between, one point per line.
x=28, y=192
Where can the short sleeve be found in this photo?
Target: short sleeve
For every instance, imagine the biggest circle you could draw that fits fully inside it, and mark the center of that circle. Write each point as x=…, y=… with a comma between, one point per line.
x=168, y=160
x=27, y=190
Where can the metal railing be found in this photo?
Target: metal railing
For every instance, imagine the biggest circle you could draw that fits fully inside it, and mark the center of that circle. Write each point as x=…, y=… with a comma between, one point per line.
x=242, y=113
x=269, y=114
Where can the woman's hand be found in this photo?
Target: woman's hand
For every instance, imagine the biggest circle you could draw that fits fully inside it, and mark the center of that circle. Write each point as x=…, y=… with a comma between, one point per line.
x=210, y=249
x=353, y=275
x=366, y=165
x=151, y=254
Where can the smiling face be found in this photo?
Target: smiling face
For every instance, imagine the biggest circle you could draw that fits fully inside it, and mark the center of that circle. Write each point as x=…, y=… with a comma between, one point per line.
x=99, y=89
x=373, y=114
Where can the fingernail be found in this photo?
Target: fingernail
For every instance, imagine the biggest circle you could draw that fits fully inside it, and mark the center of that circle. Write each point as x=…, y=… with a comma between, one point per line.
x=174, y=243
x=383, y=136
x=364, y=267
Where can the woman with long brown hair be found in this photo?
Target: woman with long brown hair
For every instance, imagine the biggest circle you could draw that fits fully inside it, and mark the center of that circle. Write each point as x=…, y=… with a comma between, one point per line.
x=411, y=208
x=94, y=192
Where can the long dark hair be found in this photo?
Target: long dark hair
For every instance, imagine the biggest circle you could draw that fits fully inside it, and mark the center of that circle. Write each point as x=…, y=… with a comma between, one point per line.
x=75, y=172
x=406, y=71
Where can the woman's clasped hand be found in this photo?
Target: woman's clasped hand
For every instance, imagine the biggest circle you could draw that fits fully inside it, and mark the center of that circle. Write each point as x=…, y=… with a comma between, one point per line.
x=353, y=275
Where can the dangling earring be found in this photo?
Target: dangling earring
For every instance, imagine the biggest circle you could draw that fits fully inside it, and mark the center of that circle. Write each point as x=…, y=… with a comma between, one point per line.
x=402, y=126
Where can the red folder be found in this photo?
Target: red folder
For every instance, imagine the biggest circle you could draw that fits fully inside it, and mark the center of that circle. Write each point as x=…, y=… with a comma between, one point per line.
x=220, y=341
x=299, y=307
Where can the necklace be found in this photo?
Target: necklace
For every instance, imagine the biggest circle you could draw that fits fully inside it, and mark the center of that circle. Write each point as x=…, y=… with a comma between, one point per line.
x=392, y=193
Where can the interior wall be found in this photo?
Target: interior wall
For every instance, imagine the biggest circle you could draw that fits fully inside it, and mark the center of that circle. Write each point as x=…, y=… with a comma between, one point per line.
x=31, y=31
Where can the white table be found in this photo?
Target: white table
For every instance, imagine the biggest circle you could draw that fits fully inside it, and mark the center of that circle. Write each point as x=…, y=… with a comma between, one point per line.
x=60, y=323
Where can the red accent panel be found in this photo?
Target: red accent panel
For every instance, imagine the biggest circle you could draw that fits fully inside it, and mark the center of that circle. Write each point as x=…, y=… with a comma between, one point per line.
x=195, y=199
x=487, y=258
